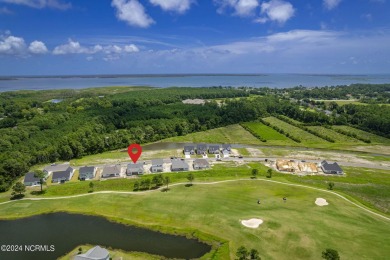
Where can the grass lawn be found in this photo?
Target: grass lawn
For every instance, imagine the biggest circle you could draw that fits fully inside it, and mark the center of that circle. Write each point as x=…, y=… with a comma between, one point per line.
x=228, y=134
x=273, y=137
x=299, y=227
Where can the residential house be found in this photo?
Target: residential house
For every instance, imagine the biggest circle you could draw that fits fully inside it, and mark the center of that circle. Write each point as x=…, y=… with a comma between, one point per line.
x=62, y=176
x=189, y=149
x=179, y=165
x=157, y=165
x=112, y=171
x=201, y=148
x=200, y=164
x=30, y=180
x=96, y=253
x=56, y=168
x=227, y=147
x=214, y=149
x=135, y=169
x=331, y=168
x=87, y=173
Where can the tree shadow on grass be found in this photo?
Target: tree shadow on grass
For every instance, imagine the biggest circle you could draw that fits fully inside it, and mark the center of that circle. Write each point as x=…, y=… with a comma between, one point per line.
x=188, y=185
x=38, y=192
x=165, y=189
x=17, y=197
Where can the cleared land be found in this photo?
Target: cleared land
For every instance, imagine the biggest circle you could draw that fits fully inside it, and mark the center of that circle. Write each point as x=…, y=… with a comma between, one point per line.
x=272, y=136
x=298, y=226
x=228, y=134
x=363, y=134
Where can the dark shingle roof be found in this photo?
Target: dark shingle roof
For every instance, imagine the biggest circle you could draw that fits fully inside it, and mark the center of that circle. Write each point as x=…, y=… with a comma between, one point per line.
x=29, y=177
x=214, y=147
x=202, y=147
x=331, y=167
x=189, y=148
x=61, y=175
x=86, y=169
x=135, y=166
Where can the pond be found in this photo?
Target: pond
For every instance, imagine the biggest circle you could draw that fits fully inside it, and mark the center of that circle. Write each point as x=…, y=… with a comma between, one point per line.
x=58, y=233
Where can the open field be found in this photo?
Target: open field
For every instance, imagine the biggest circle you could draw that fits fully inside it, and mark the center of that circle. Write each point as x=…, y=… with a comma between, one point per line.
x=372, y=137
x=269, y=134
x=306, y=137
x=298, y=226
x=228, y=134
x=337, y=137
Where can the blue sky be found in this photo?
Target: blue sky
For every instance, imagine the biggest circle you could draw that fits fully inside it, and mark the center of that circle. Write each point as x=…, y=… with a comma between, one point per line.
x=50, y=37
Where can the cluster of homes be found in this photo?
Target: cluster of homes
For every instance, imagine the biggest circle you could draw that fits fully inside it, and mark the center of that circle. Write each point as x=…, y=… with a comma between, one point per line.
x=64, y=172
x=203, y=149
x=294, y=166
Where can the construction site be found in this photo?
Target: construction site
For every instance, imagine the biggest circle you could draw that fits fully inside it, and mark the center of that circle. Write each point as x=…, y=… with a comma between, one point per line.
x=297, y=167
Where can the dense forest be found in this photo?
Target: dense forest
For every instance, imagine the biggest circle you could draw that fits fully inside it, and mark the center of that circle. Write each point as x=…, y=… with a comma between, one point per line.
x=47, y=126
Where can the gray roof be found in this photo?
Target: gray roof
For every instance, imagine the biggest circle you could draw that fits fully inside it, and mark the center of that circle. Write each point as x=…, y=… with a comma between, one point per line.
x=201, y=162
x=331, y=167
x=61, y=175
x=57, y=167
x=201, y=147
x=157, y=162
x=179, y=164
x=214, y=147
x=226, y=146
x=111, y=169
x=135, y=166
x=29, y=177
x=94, y=253
x=86, y=169
x=189, y=148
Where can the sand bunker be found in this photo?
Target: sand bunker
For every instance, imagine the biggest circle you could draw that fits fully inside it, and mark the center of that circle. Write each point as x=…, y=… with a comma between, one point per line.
x=252, y=223
x=321, y=202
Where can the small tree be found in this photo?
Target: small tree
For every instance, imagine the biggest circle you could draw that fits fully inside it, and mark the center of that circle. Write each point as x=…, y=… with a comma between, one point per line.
x=255, y=172
x=254, y=254
x=166, y=181
x=136, y=185
x=269, y=173
x=330, y=254
x=80, y=251
x=330, y=185
x=91, y=185
x=190, y=178
x=18, y=189
x=41, y=176
x=242, y=253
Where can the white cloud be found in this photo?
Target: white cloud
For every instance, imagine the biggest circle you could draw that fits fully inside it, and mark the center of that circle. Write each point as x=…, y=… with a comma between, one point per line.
x=39, y=4
x=112, y=52
x=71, y=47
x=12, y=45
x=241, y=7
x=277, y=11
x=330, y=4
x=179, y=6
x=132, y=12
x=131, y=48
x=37, y=47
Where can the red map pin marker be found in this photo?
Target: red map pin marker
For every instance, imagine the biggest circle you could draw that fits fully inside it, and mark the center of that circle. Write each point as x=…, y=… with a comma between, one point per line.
x=134, y=156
